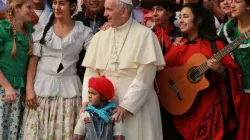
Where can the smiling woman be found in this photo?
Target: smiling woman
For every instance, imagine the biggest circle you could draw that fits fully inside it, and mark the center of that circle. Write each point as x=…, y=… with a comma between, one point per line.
x=53, y=96
x=207, y=118
x=15, y=48
x=238, y=25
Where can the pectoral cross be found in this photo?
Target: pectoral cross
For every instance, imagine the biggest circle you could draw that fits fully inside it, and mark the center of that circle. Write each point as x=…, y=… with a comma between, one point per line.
x=116, y=63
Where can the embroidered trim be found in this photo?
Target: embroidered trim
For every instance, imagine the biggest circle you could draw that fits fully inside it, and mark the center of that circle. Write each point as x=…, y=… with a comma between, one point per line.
x=229, y=39
x=119, y=137
x=78, y=137
x=210, y=124
x=247, y=90
x=88, y=120
x=55, y=42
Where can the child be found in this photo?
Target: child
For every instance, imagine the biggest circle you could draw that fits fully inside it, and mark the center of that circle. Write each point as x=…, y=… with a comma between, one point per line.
x=96, y=122
x=15, y=47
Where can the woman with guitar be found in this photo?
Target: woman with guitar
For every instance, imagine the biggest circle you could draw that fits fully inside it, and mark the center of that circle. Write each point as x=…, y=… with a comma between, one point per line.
x=208, y=117
x=163, y=14
x=232, y=30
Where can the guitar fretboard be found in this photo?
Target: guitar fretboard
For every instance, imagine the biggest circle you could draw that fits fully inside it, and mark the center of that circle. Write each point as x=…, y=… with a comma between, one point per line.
x=219, y=55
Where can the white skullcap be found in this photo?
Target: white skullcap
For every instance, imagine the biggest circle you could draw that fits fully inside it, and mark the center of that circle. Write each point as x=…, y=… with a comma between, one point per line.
x=129, y=2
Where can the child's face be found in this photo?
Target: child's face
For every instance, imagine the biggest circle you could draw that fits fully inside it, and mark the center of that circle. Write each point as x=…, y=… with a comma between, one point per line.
x=94, y=97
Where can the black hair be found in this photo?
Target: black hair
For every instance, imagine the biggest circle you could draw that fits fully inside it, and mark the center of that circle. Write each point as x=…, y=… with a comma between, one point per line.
x=51, y=20
x=247, y=2
x=171, y=10
x=225, y=19
x=206, y=28
x=199, y=2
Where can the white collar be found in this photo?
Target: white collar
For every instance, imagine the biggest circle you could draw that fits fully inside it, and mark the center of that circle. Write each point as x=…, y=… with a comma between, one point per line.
x=125, y=25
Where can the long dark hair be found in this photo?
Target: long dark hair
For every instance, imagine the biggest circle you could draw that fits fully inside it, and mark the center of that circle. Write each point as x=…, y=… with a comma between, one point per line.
x=206, y=29
x=51, y=21
x=247, y=2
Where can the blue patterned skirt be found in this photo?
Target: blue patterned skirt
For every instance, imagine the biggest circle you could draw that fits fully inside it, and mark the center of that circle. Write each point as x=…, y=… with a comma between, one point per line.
x=11, y=114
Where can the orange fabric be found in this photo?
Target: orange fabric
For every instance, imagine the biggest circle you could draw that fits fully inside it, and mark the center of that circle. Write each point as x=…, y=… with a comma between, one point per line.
x=3, y=15
x=34, y=19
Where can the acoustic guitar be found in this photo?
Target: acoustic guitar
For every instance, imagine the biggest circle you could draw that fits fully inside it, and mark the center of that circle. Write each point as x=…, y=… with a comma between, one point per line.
x=179, y=86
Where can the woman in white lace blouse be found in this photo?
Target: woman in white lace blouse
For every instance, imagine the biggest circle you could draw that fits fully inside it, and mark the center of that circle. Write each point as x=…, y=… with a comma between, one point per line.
x=53, y=96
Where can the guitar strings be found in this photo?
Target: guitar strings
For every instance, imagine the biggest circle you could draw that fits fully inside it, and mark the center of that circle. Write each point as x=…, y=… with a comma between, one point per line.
x=194, y=74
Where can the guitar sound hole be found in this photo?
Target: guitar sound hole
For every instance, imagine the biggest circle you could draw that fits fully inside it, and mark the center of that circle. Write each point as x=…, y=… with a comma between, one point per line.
x=194, y=75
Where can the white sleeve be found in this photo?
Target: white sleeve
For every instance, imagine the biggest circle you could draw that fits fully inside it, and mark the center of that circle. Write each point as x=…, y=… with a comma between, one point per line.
x=37, y=36
x=89, y=73
x=118, y=131
x=217, y=24
x=79, y=130
x=88, y=36
x=140, y=89
x=37, y=49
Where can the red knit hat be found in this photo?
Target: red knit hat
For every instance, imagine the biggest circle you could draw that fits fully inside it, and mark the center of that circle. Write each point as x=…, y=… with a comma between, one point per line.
x=102, y=85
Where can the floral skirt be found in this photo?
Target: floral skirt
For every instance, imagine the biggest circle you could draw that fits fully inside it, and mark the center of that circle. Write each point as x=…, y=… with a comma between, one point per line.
x=11, y=116
x=54, y=119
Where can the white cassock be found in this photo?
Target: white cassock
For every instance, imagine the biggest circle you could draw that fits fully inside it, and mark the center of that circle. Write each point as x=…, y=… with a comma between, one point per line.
x=133, y=73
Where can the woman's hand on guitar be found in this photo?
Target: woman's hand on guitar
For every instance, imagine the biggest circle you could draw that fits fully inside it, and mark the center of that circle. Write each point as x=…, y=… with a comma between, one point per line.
x=215, y=65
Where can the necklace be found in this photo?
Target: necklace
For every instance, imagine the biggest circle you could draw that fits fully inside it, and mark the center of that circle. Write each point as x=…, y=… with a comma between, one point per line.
x=115, y=49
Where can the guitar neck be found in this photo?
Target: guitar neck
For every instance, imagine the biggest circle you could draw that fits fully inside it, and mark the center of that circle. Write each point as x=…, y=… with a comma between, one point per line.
x=226, y=50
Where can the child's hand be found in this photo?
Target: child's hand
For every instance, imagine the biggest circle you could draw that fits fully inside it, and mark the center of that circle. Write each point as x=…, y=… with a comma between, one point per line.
x=121, y=112
x=10, y=94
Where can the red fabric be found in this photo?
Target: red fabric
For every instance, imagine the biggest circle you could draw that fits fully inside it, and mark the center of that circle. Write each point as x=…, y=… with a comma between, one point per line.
x=166, y=31
x=89, y=15
x=242, y=108
x=242, y=105
x=204, y=120
x=102, y=85
x=3, y=15
x=78, y=137
x=148, y=15
x=34, y=18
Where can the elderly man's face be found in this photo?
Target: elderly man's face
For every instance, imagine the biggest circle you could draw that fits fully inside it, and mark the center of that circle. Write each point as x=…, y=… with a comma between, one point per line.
x=94, y=6
x=113, y=12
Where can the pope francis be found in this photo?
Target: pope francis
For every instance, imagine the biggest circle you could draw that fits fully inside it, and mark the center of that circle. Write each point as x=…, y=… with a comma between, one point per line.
x=129, y=55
